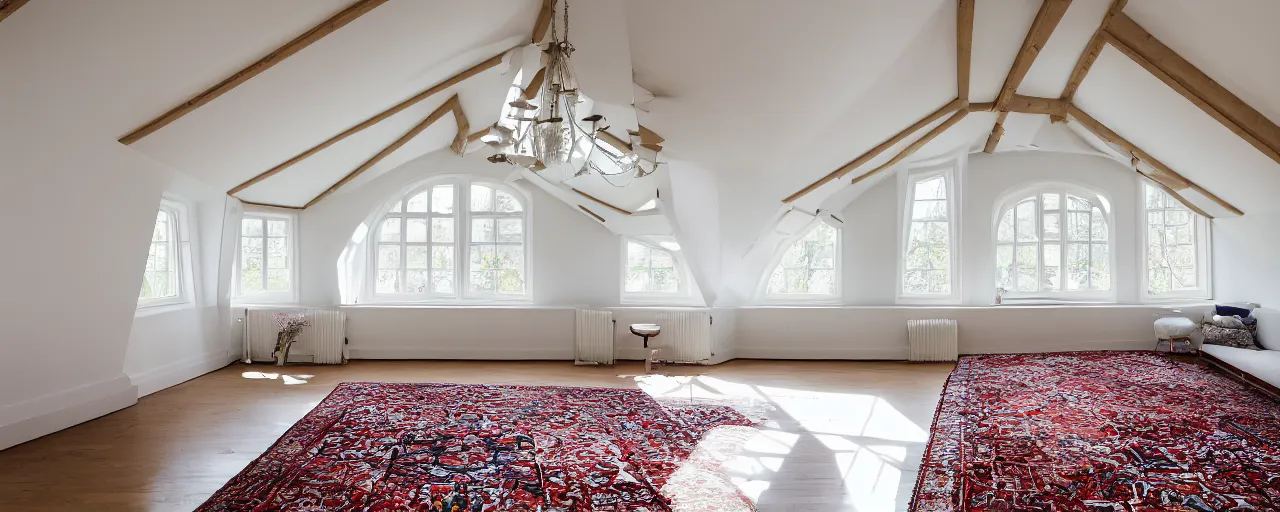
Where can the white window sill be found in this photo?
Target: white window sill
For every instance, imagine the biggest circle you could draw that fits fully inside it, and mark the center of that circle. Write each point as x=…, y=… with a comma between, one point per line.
x=447, y=305
x=160, y=308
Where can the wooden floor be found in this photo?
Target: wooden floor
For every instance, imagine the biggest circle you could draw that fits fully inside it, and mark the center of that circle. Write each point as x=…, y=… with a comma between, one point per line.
x=846, y=435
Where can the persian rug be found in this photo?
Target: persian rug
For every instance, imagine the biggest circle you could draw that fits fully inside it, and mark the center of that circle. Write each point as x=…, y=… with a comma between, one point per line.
x=473, y=448
x=1099, y=431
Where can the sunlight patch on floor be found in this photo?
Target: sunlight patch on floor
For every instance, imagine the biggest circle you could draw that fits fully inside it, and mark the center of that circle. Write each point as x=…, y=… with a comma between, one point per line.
x=288, y=380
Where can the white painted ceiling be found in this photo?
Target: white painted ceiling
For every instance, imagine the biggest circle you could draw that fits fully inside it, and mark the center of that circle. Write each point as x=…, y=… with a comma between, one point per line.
x=768, y=95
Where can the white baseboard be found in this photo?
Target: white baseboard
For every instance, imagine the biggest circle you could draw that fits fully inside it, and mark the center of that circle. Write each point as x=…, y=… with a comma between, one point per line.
x=489, y=354
x=50, y=413
x=793, y=352
x=175, y=373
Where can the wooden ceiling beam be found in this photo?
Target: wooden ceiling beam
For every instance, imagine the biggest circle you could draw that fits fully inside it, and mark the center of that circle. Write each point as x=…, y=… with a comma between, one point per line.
x=1046, y=20
x=270, y=205
x=613, y=140
x=997, y=131
x=543, y=23
x=591, y=213
x=318, y=32
x=1055, y=108
x=600, y=201
x=399, y=107
x=8, y=7
x=987, y=106
x=953, y=106
x=1147, y=51
x=915, y=146
x=436, y=114
x=964, y=47
x=1134, y=161
x=1091, y=52
x=461, y=137
x=535, y=85
x=1108, y=135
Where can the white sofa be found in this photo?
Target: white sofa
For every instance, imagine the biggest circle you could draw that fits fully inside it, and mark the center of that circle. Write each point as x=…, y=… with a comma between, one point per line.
x=1263, y=365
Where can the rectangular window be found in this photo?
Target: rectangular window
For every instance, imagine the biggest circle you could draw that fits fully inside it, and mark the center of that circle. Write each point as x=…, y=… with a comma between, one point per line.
x=265, y=262
x=1175, y=249
x=162, y=281
x=928, y=251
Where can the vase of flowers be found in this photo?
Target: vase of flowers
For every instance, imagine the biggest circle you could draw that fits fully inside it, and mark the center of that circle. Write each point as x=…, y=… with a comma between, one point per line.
x=291, y=326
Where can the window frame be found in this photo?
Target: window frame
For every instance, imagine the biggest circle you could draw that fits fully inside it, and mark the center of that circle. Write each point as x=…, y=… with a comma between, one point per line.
x=291, y=248
x=1010, y=201
x=682, y=295
x=837, y=292
x=179, y=256
x=462, y=217
x=1202, y=237
x=912, y=177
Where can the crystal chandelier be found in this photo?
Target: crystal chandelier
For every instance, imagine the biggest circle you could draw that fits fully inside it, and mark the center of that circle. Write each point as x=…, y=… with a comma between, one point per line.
x=545, y=132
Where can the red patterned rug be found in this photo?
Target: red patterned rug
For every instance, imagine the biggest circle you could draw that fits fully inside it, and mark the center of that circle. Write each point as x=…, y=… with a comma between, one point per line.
x=472, y=448
x=1113, y=431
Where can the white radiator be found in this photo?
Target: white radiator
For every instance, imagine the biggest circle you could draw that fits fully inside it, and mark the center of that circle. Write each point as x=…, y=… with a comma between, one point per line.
x=593, y=337
x=933, y=339
x=322, y=342
x=686, y=335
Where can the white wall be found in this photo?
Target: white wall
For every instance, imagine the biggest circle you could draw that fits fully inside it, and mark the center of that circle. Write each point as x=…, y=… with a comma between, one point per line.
x=172, y=344
x=1245, y=258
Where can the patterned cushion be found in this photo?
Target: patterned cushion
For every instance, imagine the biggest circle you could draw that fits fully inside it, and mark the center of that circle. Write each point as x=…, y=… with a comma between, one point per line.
x=1238, y=338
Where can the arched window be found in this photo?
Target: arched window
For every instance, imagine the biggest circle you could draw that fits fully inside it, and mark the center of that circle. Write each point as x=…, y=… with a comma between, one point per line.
x=164, y=279
x=1175, y=250
x=808, y=267
x=1054, y=242
x=451, y=238
x=651, y=270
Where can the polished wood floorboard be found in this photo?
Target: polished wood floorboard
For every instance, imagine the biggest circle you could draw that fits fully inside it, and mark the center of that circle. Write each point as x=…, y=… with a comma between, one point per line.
x=845, y=435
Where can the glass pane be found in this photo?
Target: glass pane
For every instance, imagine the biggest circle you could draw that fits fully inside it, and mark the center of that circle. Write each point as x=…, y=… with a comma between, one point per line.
x=161, y=232
x=160, y=284
x=1052, y=269
x=277, y=253
x=637, y=280
x=1052, y=227
x=1181, y=255
x=914, y=281
x=1183, y=277
x=1077, y=267
x=1098, y=225
x=511, y=281
x=824, y=255
x=395, y=208
x=388, y=281
x=637, y=255
x=482, y=230
x=939, y=281
x=390, y=231
x=1075, y=203
x=442, y=230
x=442, y=199
x=1181, y=234
x=929, y=210
x=417, y=256
x=415, y=281
x=510, y=230
x=442, y=257
x=483, y=280
x=277, y=280
x=1078, y=226
x=664, y=280
x=251, y=264
x=1178, y=217
x=1004, y=266
x=1158, y=280
x=507, y=203
x=251, y=227
x=1155, y=196
x=388, y=257
x=1100, y=268
x=481, y=198
x=483, y=257
x=158, y=256
x=416, y=230
x=776, y=282
x=418, y=203
x=442, y=281
x=1026, y=221
x=932, y=188
x=822, y=281
x=277, y=228
x=1028, y=268
x=1051, y=201
x=1155, y=218
x=662, y=259
x=1004, y=230
x=510, y=256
